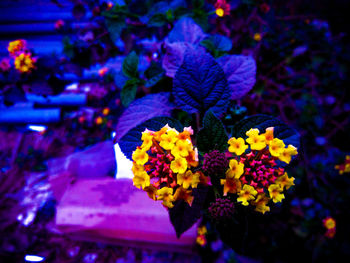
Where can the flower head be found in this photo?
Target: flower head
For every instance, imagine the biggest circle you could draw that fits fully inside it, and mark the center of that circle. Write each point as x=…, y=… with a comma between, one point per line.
x=276, y=147
x=221, y=210
x=261, y=203
x=268, y=135
x=222, y=8
x=179, y=165
x=5, y=65
x=256, y=141
x=184, y=194
x=25, y=63
x=275, y=191
x=162, y=165
x=168, y=139
x=214, y=163
x=59, y=24
x=188, y=179
x=257, y=37
x=103, y=71
x=166, y=194
x=141, y=180
x=237, y=146
x=146, y=140
x=140, y=156
x=181, y=148
x=16, y=47
x=344, y=167
x=231, y=185
x=285, y=181
x=201, y=240
x=246, y=194
x=236, y=169
x=287, y=153
x=329, y=222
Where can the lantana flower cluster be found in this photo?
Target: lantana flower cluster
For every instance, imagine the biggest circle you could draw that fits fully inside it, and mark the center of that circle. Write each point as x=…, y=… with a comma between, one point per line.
x=163, y=165
x=23, y=60
x=330, y=224
x=344, y=167
x=222, y=8
x=254, y=174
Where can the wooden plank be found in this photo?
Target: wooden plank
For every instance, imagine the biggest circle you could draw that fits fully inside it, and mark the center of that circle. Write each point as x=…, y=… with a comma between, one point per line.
x=116, y=211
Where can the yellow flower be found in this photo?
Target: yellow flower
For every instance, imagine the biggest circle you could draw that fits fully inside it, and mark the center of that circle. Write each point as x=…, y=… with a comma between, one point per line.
x=147, y=140
x=246, y=194
x=102, y=71
x=17, y=46
x=192, y=158
x=276, y=147
x=268, y=135
x=168, y=139
x=24, y=62
x=184, y=194
x=286, y=155
x=158, y=134
x=186, y=134
x=329, y=223
x=166, y=194
x=99, y=120
x=219, y=12
x=257, y=37
x=202, y=230
x=260, y=203
x=285, y=181
x=105, y=111
x=237, y=146
x=181, y=148
x=151, y=191
x=201, y=240
x=187, y=179
x=256, y=141
x=275, y=191
x=140, y=156
x=231, y=185
x=179, y=165
x=137, y=169
x=141, y=180
x=236, y=169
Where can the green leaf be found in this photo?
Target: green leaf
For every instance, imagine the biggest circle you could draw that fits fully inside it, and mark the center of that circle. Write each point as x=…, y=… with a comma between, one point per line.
x=157, y=20
x=154, y=80
x=154, y=74
x=217, y=45
x=115, y=27
x=128, y=92
x=213, y=135
x=281, y=130
x=197, y=4
x=130, y=65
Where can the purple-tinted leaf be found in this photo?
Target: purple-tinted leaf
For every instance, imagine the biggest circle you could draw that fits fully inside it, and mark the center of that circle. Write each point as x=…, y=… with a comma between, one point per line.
x=186, y=30
x=174, y=56
x=200, y=84
x=143, y=109
x=240, y=73
x=183, y=216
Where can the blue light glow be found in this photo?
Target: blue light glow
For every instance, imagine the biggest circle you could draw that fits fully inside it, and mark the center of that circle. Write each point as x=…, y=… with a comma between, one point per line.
x=33, y=258
x=37, y=128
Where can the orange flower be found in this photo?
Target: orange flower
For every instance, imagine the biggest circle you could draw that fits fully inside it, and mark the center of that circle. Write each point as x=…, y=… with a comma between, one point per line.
x=24, y=62
x=16, y=47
